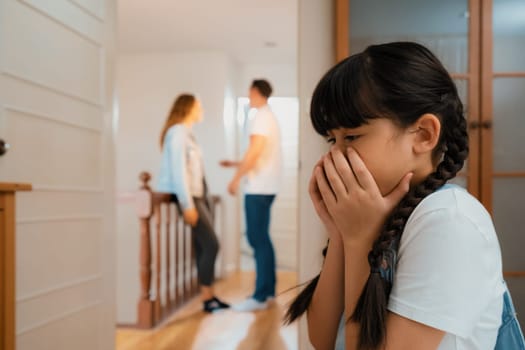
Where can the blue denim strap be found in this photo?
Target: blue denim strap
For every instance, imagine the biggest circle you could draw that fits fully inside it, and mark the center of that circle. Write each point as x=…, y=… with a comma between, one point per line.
x=510, y=335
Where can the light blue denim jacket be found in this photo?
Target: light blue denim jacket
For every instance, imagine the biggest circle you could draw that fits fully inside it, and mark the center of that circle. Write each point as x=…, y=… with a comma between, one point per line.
x=181, y=170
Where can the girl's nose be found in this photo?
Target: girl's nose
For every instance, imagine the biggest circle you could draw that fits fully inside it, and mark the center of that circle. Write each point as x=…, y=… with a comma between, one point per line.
x=341, y=145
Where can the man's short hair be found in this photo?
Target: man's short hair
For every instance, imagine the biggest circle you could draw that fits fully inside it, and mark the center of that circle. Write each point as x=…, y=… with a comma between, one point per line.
x=263, y=86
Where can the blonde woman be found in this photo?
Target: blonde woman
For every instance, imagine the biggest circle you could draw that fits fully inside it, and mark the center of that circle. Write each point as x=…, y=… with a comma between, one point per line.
x=182, y=175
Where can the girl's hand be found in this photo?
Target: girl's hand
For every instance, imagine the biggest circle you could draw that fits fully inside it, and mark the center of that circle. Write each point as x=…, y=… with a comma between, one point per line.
x=191, y=216
x=352, y=197
x=320, y=206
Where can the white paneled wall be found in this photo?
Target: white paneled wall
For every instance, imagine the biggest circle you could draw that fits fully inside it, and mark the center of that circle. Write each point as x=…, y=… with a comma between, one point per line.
x=44, y=50
x=56, y=111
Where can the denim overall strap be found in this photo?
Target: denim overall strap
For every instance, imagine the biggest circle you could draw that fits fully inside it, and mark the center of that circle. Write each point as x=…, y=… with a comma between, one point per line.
x=510, y=335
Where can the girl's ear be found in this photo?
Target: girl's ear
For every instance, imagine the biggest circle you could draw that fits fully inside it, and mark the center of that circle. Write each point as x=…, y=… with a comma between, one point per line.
x=427, y=130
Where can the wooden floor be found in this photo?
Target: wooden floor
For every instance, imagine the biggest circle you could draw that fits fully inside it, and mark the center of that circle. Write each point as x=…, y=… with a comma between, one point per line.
x=191, y=329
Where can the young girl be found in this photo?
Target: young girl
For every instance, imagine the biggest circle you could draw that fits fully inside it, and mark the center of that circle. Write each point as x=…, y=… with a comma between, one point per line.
x=182, y=174
x=411, y=263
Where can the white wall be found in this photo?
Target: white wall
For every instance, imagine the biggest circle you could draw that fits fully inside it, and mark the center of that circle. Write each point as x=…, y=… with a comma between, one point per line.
x=148, y=84
x=56, y=110
x=316, y=56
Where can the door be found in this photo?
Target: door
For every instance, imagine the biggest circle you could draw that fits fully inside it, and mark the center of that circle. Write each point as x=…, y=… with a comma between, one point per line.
x=56, y=110
x=502, y=128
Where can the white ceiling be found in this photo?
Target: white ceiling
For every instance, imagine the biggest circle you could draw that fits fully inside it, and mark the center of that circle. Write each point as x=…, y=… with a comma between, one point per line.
x=238, y=27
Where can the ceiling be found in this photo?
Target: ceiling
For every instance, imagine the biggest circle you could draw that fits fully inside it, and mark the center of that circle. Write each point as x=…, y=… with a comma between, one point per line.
x=250, y=31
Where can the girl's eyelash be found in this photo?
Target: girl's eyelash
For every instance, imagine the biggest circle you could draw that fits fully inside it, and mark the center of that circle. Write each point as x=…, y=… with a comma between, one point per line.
x=350, y=138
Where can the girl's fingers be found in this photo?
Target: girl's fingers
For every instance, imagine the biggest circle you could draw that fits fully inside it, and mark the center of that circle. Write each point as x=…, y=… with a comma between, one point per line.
x=334, y=179
x=324, y=188
x=399, y=191
x=361, y=172
x=318, y=202
x=313, y=189
x=343, y=168
x=322, y=211
x=319, y=162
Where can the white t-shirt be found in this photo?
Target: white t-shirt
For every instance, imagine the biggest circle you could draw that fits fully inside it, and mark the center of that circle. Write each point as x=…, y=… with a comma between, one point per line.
x=266, y=175
x=448, y=273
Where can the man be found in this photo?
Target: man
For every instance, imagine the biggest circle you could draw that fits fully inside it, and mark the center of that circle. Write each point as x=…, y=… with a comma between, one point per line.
x=261, y=165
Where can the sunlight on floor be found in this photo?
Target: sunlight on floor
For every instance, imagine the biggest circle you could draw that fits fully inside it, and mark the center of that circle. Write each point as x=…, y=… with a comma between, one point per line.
x=191, y=329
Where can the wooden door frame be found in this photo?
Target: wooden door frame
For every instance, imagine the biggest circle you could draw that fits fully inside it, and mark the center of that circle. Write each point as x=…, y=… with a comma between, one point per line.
x=342, y=29
x=342, y=50
x=474, y=107
x=486, y=105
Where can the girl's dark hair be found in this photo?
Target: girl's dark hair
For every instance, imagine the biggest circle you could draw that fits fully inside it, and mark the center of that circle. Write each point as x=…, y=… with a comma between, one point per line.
x=400, y=81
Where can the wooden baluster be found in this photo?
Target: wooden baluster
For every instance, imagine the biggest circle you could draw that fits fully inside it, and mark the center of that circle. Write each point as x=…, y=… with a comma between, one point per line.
x=184, y=258
x=144, y=209
x=168, y=255
x=189, y=260
x=176, y=257
x=158, y=266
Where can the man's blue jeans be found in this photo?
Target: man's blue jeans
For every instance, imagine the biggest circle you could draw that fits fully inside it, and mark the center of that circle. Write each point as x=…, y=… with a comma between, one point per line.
x=257, y=208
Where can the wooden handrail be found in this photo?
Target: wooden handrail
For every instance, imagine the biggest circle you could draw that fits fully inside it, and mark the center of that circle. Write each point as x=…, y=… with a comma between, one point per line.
x=166, y=255
x=14, y=187
x=7, y=262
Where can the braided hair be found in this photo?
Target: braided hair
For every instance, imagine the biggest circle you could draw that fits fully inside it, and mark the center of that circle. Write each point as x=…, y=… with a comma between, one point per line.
x=400, y=81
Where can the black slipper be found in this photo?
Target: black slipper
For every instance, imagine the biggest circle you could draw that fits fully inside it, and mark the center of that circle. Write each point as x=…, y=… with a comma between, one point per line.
x=214, y=304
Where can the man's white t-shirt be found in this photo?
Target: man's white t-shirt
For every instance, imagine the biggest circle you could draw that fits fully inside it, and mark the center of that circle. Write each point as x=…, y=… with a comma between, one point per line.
x=448, y=273
x=266, y=175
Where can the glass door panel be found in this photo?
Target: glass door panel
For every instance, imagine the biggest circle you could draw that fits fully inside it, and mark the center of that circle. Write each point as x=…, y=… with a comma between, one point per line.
x=507, y=187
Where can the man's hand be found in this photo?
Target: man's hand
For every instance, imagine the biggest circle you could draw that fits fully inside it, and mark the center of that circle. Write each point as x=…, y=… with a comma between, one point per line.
x=228, y=163
x=233, y=187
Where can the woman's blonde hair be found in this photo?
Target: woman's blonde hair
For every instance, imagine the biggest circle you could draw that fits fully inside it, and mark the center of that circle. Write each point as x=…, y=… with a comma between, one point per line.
x=182, y=106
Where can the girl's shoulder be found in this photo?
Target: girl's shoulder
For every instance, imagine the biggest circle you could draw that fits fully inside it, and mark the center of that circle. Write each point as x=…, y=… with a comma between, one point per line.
x=454, y=203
